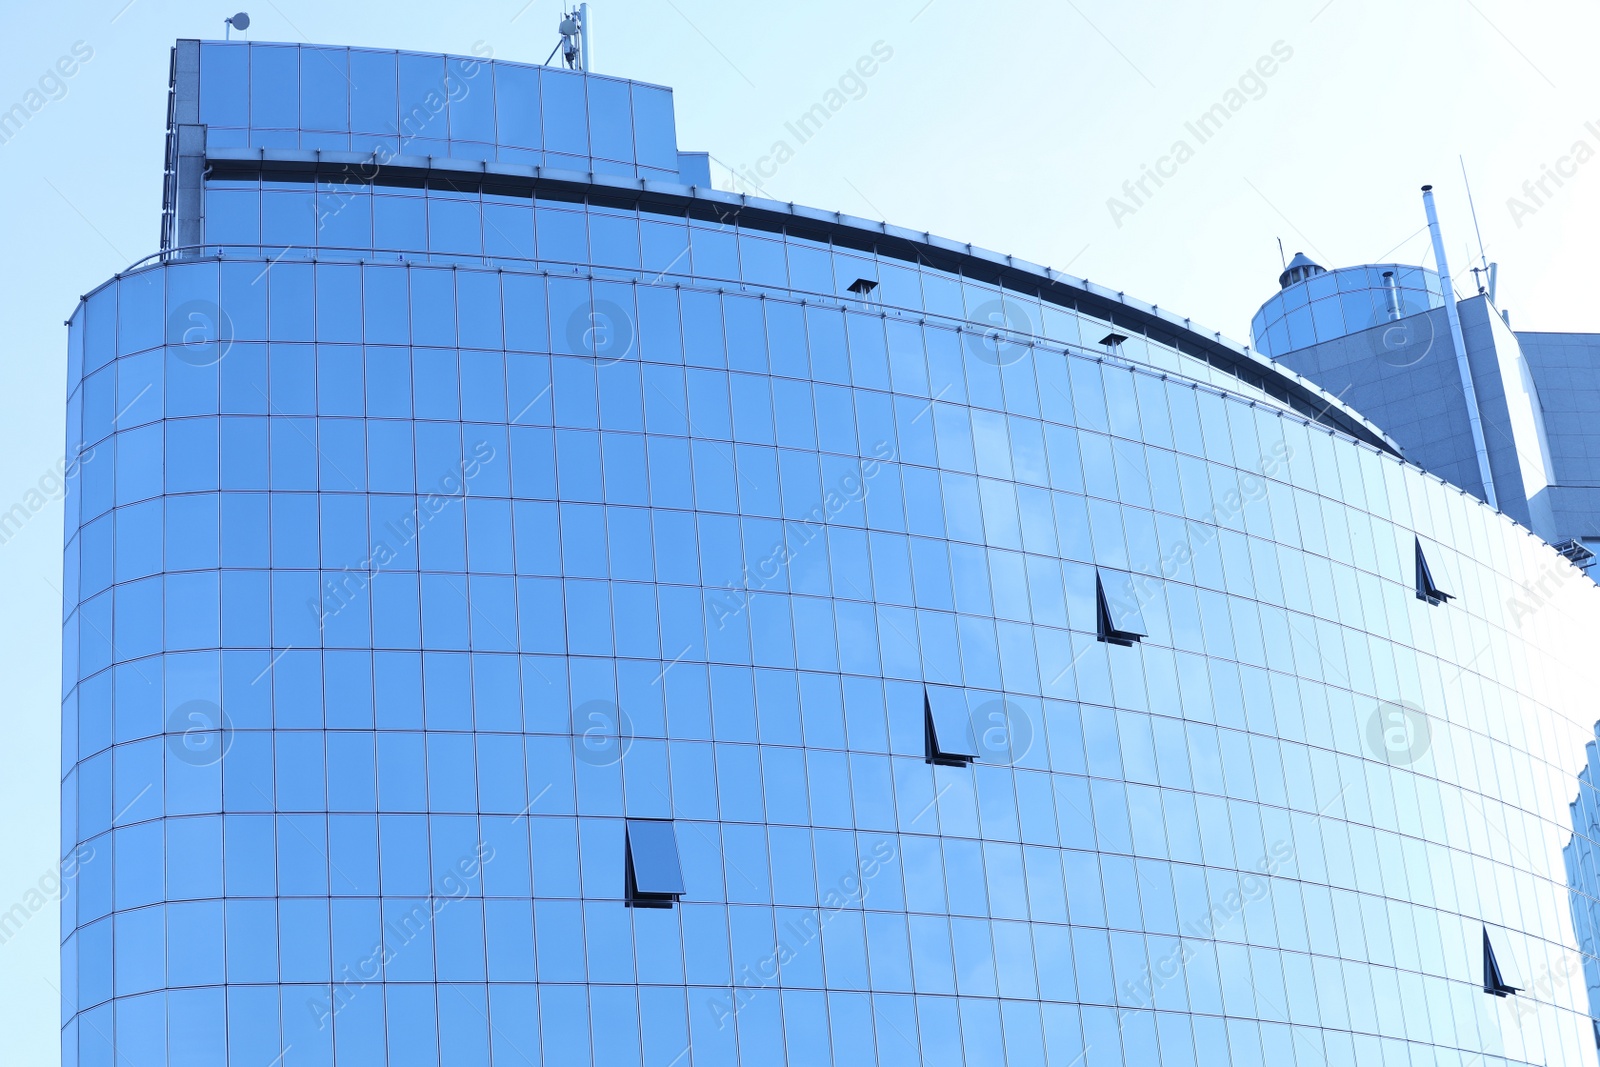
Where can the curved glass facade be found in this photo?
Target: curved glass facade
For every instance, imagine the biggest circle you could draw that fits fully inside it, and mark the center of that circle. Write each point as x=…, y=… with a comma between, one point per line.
x=557, y=657
x=498, y=222
x=1343, y=301
x=1584, y=878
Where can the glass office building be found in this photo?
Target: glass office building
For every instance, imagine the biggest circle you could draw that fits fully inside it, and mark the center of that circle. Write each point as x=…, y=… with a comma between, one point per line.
x=525, y=607
x=1379, y=336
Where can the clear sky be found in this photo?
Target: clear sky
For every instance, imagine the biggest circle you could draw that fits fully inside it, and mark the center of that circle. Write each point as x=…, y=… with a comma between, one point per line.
x=1007, y=124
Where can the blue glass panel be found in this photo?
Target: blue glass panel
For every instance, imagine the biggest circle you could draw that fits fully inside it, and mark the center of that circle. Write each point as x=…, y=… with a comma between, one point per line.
x=274, y=86
x=611, y=120
x=470, y=86
x=565, y=112
x=324, y=87
x=655, y=139
x=224, y=84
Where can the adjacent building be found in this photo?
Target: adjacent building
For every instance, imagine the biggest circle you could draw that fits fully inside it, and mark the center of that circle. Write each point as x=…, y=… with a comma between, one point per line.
x=1583, y=874
x=1379, y=336
x=525, y=606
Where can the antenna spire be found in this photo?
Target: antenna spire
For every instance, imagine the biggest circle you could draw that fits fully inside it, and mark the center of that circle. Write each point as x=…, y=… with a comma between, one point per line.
x=1483, y=259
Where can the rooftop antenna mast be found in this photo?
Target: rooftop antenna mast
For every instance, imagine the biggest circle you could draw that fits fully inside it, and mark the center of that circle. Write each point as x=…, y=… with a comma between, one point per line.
x=1482, y=258
x=574, y=43
x=1281, y=256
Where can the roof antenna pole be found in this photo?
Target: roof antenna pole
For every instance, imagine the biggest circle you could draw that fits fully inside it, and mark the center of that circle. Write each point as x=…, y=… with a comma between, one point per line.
x=583, y=38
x=574, y=43
x=1483, y=260
x=1281, y=257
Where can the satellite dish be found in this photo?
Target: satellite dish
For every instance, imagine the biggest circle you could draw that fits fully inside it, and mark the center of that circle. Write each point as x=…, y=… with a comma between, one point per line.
x=241, y=21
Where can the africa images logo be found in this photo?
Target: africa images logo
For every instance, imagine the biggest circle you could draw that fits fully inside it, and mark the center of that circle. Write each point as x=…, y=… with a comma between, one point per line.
x=198, y=733
x=199, y=332
x=1401, y=342
x=1398, y=732
x=1003, y=319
